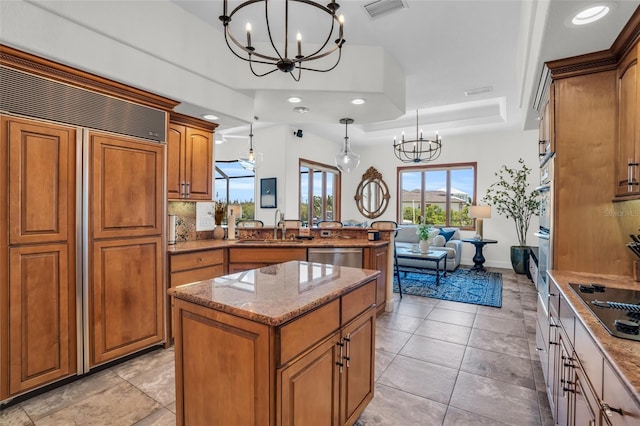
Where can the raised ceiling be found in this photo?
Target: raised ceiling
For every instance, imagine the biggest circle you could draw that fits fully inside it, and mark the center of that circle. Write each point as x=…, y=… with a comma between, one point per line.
x=441, y=49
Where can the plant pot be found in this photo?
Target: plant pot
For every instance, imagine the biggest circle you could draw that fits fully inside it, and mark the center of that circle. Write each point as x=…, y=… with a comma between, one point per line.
x=520, y=259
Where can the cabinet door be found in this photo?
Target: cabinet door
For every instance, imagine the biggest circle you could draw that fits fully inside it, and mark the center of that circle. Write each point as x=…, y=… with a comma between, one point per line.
x=620, y=407
x=565, y=376
x=627, y=167
x=309, y=388
x=554, y=373
x=41, y=181
x=41, y=312
x=359, y=363
x=199, y=164
x=378, y=261
x=125, y=297
x=126, y=187
x=585, y=406
x=176, y=139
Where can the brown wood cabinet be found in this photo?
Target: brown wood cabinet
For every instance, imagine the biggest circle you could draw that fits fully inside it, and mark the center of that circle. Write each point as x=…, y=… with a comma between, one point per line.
x=319, y=365
x=245, y=258
x=190, y=267
x=37, y=254
x=376, y=258
x=189, y=158
x=628, y=153
x=126, y=287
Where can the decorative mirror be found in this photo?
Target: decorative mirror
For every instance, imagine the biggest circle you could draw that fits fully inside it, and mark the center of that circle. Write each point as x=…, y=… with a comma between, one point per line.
x=372, y=195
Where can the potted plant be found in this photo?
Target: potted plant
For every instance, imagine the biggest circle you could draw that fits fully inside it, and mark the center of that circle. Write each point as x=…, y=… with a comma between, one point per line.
x=424, y=232
x=218, y=216
x=511, y=197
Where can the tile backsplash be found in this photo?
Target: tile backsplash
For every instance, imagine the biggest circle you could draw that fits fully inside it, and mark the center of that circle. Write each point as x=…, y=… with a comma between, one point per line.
x=185, y=212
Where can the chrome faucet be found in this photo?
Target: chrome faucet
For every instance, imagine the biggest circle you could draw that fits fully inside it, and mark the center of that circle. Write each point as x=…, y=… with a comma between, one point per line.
x=276, y=224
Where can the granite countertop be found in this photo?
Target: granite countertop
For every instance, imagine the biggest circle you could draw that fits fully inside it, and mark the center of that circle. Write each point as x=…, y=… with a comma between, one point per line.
x=190, y=246
x=622, y=354
x=275, y=294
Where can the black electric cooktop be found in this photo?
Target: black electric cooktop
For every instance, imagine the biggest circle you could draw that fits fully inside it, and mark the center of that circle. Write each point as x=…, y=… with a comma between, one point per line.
x=617, y=309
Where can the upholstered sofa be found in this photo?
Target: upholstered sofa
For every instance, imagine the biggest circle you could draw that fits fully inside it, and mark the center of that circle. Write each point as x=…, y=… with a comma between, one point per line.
x=408, y=238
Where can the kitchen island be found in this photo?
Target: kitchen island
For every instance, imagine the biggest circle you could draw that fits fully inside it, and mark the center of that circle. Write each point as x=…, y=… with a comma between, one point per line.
x=280, y=344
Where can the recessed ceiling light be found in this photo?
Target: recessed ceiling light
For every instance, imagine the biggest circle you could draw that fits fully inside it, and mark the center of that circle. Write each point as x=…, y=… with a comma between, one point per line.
x=358, y=101
x=210, y=117
x=295, y=100
x=301, y=109
x=590, y=14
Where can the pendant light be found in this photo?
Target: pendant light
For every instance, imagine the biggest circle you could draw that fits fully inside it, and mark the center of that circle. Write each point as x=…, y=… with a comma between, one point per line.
x=251, y=160
x=347, y=160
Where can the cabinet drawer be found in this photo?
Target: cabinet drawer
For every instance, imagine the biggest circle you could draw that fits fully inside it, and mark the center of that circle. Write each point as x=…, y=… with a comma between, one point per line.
x=193, y=275
x=543, y=322
x=616, y=396
x=567, y=319
x=198, y=259
x=358, y=301
x=266, y=255
x=302, y=333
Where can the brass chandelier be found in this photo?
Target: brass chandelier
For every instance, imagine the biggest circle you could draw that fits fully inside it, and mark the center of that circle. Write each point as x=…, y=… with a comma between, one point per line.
x=280, y=56
x=418, y=150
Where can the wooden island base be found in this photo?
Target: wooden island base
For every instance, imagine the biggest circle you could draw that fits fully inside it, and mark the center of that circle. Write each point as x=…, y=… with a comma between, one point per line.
x=278, y=346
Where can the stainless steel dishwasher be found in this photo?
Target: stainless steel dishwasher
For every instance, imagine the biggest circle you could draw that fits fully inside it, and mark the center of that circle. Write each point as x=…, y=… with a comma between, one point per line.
x=336, y=256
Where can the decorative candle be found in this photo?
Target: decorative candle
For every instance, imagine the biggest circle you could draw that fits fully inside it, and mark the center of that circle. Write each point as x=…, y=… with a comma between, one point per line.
x=248, y=34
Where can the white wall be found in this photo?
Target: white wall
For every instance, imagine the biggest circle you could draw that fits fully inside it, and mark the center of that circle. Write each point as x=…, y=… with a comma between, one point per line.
x=282, y=152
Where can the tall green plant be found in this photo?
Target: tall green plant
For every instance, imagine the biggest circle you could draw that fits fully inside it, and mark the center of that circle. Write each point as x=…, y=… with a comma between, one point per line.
x=511, y=198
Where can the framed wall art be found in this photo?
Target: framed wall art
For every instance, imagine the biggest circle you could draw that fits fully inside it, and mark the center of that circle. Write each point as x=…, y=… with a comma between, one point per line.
x=268, y=193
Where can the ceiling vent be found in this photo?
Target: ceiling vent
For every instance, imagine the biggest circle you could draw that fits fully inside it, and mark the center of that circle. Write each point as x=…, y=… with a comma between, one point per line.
x=382, y=7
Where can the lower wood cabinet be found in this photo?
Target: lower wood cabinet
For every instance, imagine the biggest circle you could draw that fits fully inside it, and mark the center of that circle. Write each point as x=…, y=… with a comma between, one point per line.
x=245, y=258
x=376, y=258
x=41, y=314
x=125, y=297
x=190, y=267
x=317, y=368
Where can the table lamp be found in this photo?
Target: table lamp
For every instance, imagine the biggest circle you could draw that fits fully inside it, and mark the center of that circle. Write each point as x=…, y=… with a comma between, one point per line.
x=478, y=213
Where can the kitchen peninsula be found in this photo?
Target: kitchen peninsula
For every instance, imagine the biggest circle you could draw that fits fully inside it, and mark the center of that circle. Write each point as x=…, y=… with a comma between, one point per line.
x=276, y=345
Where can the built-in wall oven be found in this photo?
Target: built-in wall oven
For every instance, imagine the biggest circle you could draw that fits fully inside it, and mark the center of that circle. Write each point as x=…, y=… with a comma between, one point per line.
x=545, y=232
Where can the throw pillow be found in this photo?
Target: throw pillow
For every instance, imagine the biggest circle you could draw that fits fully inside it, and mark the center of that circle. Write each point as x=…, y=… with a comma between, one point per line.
x=447, y=234
x=439, y=241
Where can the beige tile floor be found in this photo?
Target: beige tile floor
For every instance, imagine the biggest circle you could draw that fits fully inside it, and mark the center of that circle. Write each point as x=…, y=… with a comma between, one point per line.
x=437, y=363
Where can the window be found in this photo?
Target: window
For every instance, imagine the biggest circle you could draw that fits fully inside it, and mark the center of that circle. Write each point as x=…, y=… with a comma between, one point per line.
x=321, y=184
x=441, y=194
x=236, y=187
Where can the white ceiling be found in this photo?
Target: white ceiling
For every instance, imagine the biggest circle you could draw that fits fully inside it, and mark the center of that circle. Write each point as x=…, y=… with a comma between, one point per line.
x=443, y=48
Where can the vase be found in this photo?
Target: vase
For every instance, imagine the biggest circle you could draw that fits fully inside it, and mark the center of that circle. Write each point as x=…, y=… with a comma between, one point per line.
x=520, y=259
x=218, y=233
x=424, y=246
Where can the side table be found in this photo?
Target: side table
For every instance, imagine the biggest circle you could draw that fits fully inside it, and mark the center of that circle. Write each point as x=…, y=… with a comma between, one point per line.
x=478, y=259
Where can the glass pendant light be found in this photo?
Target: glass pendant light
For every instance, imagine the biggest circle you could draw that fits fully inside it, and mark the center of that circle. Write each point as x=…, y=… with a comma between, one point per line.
x=347, y=160
x=251, y=160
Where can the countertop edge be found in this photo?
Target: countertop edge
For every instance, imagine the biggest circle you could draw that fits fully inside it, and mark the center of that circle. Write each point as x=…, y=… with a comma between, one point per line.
x=600, y=335
x=265, y=319
x=201, y=245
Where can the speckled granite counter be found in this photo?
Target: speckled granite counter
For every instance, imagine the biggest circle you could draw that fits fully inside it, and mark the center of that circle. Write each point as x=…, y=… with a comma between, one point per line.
x=277, y=293
x=190, y=246
x=622, y=354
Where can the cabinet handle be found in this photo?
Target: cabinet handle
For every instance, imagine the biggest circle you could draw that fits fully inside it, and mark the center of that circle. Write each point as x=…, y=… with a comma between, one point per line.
x=348, y=356
x=188, y=194
x=609, y=410
x=553, y=343
x=340, y=363
x=631, y=182
x=182, y=190
x=554, y=325
x=200, y=259
x=539, y=349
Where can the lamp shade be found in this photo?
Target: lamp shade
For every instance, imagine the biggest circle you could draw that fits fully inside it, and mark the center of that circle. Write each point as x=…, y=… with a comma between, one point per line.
x=480, y=212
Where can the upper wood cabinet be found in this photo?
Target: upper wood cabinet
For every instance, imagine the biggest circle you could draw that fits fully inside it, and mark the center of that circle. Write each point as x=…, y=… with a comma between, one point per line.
x=126, y=190
x=189, y=158
x=628, y=152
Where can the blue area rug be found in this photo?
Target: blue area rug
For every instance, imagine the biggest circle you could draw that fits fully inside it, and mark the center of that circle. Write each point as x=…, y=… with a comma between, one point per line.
x=462, y=285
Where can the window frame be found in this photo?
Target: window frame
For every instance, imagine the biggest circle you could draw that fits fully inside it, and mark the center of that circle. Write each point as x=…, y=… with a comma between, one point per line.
x=423, y=168
x=228, y=179
x=315, y=167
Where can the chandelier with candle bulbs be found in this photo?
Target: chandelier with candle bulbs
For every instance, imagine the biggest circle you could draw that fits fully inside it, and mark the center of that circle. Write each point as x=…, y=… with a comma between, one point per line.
x=278, y=54
x=418, y=150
